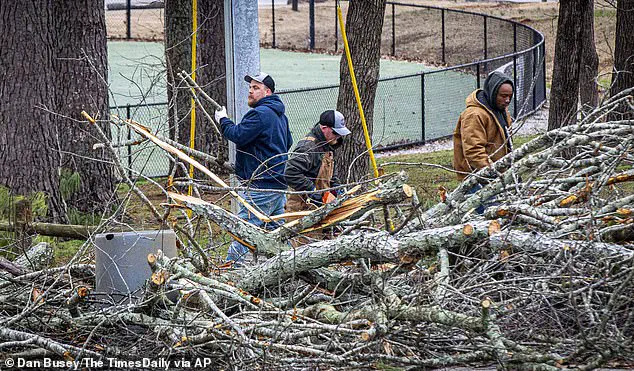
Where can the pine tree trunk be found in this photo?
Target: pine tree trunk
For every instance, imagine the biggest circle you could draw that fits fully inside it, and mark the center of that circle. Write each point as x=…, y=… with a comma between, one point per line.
x=364, y=23
x=588, y=87
x=29, y=157
x=211, y=75
x=81, y=67
x=567, y=64
x=178, y=31
x=623, y=77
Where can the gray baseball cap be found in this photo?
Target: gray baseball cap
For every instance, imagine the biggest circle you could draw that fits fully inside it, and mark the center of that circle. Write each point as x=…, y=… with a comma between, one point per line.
x=335, y=120
x=263, y=78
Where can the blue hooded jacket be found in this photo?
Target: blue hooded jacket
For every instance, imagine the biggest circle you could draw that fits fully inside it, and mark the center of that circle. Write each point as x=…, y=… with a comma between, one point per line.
x=262, y=140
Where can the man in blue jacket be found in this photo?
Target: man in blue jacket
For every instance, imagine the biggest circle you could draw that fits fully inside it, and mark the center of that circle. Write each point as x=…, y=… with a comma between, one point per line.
x=262, y=140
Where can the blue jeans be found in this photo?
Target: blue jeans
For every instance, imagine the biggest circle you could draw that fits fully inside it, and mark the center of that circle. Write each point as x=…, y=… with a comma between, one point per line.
x=270, y=204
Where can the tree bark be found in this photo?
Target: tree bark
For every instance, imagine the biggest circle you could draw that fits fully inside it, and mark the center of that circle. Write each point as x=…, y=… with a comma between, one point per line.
x=623, y=76
x=364, y=23
x=588, y=87
x=178, y=31
x=81, y=67
x=211, y=75
x=29, y=156
x=567, y=64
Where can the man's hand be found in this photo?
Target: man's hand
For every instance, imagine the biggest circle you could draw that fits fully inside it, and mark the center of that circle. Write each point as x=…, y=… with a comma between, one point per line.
x=220, y=114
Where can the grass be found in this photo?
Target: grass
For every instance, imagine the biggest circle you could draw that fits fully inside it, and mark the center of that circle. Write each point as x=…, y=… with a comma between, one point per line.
x=425, y=173
x=430, y=171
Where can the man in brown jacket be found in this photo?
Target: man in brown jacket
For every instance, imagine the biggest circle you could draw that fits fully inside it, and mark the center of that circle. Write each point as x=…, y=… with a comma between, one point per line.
x=482, y=135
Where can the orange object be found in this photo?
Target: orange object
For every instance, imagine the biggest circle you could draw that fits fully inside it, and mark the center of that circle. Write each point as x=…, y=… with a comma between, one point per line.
x=327, y=198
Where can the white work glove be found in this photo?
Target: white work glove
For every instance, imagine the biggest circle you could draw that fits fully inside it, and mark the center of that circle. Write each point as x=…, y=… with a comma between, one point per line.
x=220, y=114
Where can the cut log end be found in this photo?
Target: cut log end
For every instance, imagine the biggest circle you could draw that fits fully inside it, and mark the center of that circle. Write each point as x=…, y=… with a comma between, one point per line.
x=151, y=259
x=160, y=277
x=82, y=291
x=467, y=230
x=486, y=303
x=494, y=227
x=408, y=190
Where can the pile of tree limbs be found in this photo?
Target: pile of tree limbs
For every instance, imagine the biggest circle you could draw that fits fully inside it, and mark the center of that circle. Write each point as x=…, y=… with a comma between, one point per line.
x=543, y=279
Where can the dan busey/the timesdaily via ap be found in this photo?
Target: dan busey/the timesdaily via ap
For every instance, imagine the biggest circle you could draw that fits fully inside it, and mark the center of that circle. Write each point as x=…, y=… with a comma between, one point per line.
x=154, y=363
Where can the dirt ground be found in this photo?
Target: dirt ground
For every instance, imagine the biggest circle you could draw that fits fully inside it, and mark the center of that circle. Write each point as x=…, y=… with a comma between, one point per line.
x=418, y=31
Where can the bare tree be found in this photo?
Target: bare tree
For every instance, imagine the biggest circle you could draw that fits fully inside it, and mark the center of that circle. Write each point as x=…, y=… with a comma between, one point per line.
x=210, y=70
x=81, y=67
x=588, y=87
x=178, y=33
x=64, y=73
x=623, y=76
x=569, y=54
x=364, y=23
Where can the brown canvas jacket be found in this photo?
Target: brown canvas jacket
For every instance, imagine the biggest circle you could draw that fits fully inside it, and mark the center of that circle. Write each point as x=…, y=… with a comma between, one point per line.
x=478, y=139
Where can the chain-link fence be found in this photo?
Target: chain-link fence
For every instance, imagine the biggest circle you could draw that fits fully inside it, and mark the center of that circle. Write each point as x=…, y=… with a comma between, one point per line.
x=416, y=108
x=144, y=158
x=138, y=20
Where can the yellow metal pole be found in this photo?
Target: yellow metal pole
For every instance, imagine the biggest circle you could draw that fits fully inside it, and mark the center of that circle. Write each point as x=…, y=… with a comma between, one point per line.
x=368, y=142
x=192, y=126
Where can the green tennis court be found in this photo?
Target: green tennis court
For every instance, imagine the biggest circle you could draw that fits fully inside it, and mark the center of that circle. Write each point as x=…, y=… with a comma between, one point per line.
x=137, y=70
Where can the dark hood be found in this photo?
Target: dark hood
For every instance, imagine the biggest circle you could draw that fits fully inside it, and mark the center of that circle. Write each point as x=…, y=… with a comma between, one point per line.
x=491, y=86
x=487, y=96
x=273, y=102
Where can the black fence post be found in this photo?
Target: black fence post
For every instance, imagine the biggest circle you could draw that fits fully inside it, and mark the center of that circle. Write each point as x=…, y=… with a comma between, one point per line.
x=422, y=105
x=273, y=18
x=393, y=32
x=128, y=16
x=544, y=67
x=129, y=146
x=514, y=37
x=442, y=14
x=486, y=40
x=311, y=16
x=478, y=75
x=534, y=80
x=515, y=69
x=336, y=28
x=515, y=109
